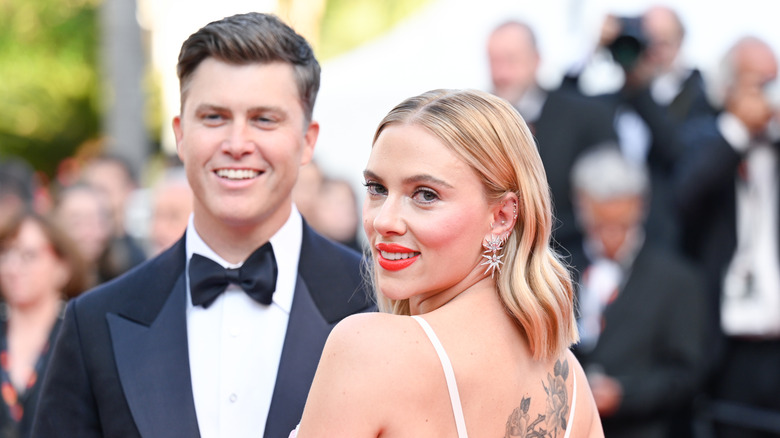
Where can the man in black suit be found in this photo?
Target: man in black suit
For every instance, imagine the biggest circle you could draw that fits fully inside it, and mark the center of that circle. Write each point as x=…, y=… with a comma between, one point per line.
x=176, y=347
x=564, y=123
x=659, y=91
x=640, y=307
x=728, y=195
x=675, y=86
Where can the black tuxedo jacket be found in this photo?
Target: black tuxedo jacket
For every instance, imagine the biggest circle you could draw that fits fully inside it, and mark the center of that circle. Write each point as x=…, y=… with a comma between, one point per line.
x=568, y=125
x=691, y=102
x=120, y=367
x=706, y=196
x=653, y=342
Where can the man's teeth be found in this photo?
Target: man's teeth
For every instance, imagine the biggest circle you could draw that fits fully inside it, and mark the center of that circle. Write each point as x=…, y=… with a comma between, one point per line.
x=237, y=173
x=397, y=255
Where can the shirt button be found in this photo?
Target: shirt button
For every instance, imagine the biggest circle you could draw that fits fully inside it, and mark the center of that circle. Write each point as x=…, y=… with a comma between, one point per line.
x=234, y=332
x=233, y=398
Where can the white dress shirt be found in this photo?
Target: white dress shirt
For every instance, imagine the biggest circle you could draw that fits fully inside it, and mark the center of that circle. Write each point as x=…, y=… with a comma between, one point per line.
x=236, y=343
x=601, y=283
x=531, y=104
x=751, y=286
x=667, y=86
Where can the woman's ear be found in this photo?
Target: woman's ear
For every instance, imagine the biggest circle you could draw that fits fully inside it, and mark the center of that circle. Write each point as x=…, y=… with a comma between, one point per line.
x=504, y=215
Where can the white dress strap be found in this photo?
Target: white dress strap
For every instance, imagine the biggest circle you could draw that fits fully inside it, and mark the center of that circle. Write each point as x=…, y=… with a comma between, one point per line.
x=573, y=403
x=449, y=374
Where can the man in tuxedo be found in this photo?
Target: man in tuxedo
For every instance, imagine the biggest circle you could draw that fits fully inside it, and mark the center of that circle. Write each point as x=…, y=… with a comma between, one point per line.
x=640, y=307
x=563, y=122
x=728, y=194
x=220, y=335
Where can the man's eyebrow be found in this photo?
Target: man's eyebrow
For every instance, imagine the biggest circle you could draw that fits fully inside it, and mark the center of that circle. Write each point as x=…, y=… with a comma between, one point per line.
x=265, y=108
x=209, y=107
x=254, y=109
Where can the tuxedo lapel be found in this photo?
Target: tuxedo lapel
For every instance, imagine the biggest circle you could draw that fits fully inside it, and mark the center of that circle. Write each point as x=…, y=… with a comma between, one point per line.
x=307, y=332
x=153, y=365
x=328, y=288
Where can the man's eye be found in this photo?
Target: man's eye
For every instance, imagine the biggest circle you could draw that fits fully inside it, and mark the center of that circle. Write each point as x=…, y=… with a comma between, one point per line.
x=212, y=118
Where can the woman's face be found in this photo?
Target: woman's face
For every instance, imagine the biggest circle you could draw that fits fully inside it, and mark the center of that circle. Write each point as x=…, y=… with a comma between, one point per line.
x=30, y=271
x=425, y=216
x=83, y=214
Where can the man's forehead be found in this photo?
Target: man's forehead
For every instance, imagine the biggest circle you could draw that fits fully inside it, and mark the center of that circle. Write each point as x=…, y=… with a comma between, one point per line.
x=205, y=81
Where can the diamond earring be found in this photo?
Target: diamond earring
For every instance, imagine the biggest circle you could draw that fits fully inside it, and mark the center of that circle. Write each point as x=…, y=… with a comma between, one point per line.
x=492, y=257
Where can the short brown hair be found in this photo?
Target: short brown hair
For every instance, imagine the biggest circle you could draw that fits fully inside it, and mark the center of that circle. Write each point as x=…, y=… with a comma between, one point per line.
x=63, y=246
x=252, y=38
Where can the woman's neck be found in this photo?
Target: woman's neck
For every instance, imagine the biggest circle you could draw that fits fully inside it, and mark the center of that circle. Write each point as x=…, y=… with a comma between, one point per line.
x=38, y=314
x=29, y=328
x=421, y=304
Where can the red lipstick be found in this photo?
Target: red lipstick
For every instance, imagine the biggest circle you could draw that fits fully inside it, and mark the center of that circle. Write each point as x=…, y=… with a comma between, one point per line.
x=395, y=265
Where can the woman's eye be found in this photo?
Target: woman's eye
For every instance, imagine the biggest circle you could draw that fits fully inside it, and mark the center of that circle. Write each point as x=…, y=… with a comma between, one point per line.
x=425, y=195
x=374, y=188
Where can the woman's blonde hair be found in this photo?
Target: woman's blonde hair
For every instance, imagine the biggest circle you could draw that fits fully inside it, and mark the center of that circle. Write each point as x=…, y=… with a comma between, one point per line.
x=491, y=137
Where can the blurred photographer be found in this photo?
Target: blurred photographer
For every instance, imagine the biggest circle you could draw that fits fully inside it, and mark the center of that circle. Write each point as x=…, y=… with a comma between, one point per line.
x=728, y=195
x=646, y=51
x=657, y=95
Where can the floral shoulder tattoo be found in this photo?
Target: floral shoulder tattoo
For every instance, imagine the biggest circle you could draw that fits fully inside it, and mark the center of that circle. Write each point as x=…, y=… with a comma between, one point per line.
x=551, y=424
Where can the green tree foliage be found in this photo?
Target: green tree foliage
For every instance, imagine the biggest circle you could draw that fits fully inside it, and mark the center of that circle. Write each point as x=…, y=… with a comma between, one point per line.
x=48, y=79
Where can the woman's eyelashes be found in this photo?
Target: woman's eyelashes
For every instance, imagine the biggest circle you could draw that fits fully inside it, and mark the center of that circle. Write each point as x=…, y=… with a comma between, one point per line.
x=373, y=188
x=420, y=195
x=425, y=195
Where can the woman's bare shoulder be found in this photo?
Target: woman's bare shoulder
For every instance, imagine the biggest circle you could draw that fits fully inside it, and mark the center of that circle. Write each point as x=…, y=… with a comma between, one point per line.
x=370, y=332
x=361, y=371
x=376, y=345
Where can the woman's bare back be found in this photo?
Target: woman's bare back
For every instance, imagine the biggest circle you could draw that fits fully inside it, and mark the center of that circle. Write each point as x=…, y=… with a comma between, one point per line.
x=397, y=387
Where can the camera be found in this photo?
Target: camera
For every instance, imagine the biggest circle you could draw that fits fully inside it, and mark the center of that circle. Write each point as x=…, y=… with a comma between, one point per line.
x=630, y=43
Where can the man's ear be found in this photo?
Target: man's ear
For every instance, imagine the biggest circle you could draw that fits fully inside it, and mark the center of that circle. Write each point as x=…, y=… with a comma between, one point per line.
x=309, y=139
x=178, y=134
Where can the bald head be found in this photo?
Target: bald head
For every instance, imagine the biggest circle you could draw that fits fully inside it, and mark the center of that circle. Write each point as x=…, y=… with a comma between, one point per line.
x=753, y=61
x=514, y=60
x=665, y=33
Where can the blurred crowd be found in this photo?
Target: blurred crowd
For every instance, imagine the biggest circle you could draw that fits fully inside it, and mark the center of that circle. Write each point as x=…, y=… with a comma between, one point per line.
x=666, y=195
x=666, y=192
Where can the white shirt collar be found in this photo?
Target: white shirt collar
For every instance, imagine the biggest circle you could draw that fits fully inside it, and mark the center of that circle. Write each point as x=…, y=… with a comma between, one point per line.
x=665, y=87
x=287, y=249
x=530, y=105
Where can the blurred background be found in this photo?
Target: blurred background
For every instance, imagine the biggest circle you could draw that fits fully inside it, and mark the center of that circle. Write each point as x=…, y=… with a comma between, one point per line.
x=82, y=76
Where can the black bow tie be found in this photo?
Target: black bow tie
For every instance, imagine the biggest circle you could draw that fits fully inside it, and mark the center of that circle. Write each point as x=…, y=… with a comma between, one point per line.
x=257, y=276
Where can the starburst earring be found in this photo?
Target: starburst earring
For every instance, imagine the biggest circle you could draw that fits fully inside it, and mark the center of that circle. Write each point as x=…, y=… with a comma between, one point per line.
x=492, y=257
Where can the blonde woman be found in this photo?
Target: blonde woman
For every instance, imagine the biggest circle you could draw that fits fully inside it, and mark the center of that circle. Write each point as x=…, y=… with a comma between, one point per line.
x=458, y=218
